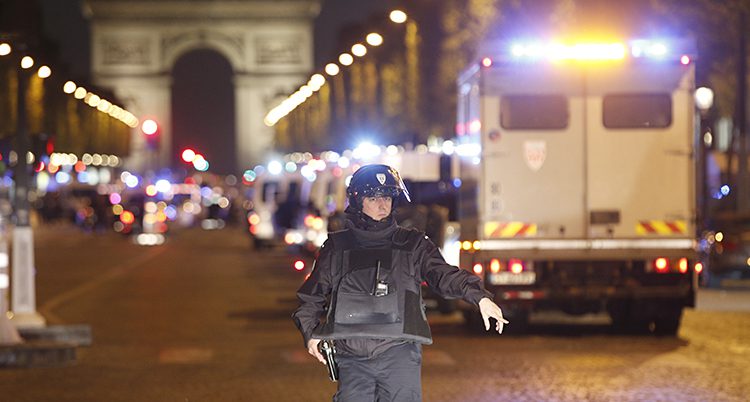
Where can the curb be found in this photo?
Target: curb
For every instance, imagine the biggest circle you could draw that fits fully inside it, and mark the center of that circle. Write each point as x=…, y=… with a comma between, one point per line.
x=52, y=346
x=37, y=354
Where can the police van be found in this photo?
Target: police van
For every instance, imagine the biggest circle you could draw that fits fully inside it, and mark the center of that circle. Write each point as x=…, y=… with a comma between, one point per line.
x=578, y=178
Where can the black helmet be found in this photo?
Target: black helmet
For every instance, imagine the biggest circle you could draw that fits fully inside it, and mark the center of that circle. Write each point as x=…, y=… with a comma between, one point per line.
x=374, y=180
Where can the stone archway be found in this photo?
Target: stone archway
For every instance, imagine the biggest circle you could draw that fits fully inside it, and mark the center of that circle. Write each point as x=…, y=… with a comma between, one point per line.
x=135, y=44
x=203, y=110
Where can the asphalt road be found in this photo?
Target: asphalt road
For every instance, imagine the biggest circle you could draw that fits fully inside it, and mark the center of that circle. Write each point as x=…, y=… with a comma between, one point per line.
x=206, y=318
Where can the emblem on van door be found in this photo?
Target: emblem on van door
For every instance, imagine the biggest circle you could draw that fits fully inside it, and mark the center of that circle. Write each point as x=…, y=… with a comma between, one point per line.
x=380, y=177
x=534, y=153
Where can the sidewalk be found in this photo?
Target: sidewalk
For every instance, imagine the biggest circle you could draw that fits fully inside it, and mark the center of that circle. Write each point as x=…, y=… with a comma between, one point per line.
x=723, y=299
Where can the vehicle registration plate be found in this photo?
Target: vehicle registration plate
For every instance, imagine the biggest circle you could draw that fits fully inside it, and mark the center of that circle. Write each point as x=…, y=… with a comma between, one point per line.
x=509, y=278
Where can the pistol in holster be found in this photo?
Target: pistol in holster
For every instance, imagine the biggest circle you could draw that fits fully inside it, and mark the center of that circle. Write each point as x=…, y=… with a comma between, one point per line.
x=328, y=349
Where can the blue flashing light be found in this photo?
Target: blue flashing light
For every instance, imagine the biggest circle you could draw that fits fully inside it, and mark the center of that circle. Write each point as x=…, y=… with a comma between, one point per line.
x=171, y=212
x=62, y=177
x=725, y=190
x=366, y=150
x=457, y=182
x=206, y=192
x=163, y=185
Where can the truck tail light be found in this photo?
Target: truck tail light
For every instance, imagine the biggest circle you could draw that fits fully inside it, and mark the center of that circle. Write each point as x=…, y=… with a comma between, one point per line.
x=683, y=265
x=495, y=265
x=516, y=266
x=661, y=265
x=478, y=268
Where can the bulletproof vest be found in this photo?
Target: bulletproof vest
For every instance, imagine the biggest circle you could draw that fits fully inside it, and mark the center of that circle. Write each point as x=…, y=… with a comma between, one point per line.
x=377, y=291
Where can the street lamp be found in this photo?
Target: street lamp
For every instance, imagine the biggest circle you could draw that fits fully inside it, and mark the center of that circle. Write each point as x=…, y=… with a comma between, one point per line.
x=44, y=72
x=398, y=16
x=704, y=99
x=23, y=285
x=346, y=59
x=374, y=39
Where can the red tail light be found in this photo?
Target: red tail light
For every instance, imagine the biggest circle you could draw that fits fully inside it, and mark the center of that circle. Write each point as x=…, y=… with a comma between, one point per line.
x=698, y=267
x=516, y=266
x=299, y=265
x=661, y=265
x=478, y=268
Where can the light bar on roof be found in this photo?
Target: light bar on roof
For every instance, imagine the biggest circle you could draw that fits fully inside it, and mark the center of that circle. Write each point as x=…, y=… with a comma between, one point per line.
x=648, y=48
x=579, y=51
x=557, y=51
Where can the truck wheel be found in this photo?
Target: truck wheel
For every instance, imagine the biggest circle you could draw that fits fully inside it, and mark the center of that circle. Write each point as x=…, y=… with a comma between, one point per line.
x=627, y=319
x=667, y=322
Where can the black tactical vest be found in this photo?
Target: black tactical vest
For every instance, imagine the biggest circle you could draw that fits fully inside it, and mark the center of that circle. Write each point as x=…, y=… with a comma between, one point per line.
x=377, y=291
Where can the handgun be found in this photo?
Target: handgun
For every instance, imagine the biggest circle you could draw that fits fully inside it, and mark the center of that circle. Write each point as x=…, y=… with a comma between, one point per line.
x=328, y=349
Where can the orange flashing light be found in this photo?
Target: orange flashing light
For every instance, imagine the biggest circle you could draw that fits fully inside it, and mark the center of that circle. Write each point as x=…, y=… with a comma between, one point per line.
x=495, y=265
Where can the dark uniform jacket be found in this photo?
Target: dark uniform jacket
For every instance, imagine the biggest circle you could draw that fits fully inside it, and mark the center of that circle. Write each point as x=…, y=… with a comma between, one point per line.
x=341, y=286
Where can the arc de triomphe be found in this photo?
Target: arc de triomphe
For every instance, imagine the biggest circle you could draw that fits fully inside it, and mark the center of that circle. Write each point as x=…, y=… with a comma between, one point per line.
x=135, y=44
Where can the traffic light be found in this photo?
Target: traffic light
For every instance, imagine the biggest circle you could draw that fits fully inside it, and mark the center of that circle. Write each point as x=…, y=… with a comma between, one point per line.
x=151, y=130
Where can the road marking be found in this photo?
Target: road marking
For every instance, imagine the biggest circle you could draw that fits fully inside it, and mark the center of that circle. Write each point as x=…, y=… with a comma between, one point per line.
x=47, y=308
x=185, y=355
x=297, y=356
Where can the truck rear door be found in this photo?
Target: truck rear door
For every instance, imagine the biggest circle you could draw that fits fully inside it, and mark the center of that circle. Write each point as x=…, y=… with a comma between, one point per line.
x=639, y=173
x=533, y=153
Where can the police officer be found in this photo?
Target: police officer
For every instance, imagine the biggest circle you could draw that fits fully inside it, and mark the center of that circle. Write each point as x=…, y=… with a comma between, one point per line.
x=364, y=293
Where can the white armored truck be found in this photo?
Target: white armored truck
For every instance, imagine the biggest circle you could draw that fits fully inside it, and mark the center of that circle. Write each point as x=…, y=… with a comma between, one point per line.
x=578, y=178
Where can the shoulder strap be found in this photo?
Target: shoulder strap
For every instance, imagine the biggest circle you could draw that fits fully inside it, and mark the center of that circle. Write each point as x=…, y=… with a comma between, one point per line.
x=406, y=239
x=342, y=240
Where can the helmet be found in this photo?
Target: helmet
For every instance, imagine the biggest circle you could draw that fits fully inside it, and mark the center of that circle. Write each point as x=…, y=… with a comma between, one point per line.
x=374, y=180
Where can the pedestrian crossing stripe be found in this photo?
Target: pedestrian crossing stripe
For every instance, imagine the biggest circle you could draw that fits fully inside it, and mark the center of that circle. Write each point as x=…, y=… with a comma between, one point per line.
x=659, y=227
x=509, y=229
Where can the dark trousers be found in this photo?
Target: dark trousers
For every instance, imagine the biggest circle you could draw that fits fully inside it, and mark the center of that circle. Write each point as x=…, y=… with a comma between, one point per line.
x=392, y=376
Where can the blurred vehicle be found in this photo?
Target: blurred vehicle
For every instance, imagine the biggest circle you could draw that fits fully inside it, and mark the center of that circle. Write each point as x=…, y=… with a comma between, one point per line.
x=275, y=211
x=578, y=177
x=728, y=252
